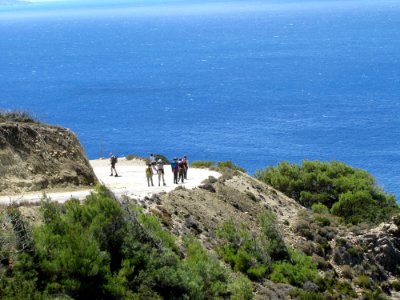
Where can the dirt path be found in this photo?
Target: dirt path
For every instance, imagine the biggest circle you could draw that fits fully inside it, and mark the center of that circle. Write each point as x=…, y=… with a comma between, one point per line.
x=131, y=182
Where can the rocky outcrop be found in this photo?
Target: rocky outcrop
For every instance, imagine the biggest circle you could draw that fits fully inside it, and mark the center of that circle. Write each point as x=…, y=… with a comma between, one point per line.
x=36, y=157
x=384, y=246
x=375, y=252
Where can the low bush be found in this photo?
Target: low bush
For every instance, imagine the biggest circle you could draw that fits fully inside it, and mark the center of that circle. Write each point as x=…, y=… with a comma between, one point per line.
x=322, y=221
x=355, y=251
x=303, y=228
x=343, y=288
x=319, y=208
x=249, y=252
x=364, y=281
x=243, y=251
x=322, y=263
x=202, y=164
x=296, y=272
x=229, y=165
x=347, y=272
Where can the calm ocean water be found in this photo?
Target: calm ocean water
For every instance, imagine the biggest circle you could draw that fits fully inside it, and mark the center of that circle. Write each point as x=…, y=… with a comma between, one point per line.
x=252, y=82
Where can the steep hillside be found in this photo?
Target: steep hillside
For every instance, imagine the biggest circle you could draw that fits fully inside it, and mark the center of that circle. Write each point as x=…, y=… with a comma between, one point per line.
x=240, y=198
x=34, y=157
x=362, y=258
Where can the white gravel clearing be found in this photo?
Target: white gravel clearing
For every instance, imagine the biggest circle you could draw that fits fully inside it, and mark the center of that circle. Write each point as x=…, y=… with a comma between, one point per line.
x=131, y=182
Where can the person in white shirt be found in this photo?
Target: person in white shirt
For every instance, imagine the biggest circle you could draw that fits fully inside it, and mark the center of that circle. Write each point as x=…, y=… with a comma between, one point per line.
x=160, y=171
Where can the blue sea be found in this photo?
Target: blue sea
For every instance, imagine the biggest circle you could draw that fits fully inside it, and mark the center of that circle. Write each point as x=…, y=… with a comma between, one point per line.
x=255, y=82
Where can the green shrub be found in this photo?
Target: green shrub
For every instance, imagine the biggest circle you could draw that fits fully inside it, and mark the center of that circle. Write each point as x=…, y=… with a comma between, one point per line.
x=272, y=237
x=23, y=282
x=319, y=208
x=374, y=295
x=240, y=288
x=300, y=270
x=152, y=225
x=251, y=253
x=364, y=281
x=355, y=251
x=347, y=272
x=74, y=247
x=309, y=295
x=351, y=193
x=359, y=206
x=229, y=165
x=202, y=164
x=344, y=288
x=206, y=271
x=323, y=221
x=242, y=251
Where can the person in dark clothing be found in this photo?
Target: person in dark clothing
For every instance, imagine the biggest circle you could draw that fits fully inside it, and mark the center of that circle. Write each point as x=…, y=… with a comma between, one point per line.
x=174, y=167
x=113, y=161
x=181, y=170
x=185, y=165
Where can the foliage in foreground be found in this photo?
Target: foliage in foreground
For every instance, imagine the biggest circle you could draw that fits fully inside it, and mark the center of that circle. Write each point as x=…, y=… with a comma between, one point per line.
x=349, y=193
x=100, y=251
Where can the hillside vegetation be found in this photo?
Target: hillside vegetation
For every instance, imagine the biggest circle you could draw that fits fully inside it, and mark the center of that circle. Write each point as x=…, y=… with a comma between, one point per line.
x=349, y=193
x=233, y=238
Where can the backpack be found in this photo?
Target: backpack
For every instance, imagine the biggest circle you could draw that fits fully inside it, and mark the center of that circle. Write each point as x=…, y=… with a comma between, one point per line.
x=114, y=159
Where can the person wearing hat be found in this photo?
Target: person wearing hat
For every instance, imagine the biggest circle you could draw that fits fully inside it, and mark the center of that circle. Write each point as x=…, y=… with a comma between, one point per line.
x=160, y=172
x=174, y=167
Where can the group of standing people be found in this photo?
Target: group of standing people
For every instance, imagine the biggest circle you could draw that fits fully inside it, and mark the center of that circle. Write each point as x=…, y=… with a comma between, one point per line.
x=179, y=169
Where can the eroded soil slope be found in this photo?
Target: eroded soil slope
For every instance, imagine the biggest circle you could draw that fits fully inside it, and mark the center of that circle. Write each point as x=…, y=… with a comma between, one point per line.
x=35, y=157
